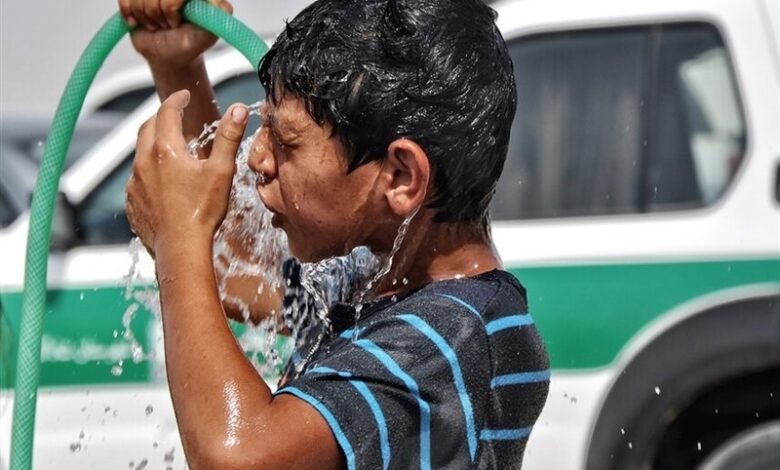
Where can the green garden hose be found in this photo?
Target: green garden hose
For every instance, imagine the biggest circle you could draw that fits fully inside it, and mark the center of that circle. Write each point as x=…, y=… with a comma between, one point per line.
x=198, y=12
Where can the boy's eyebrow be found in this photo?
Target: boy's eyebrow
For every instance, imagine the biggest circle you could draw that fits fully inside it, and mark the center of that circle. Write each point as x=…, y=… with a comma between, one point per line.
x=289, y=130
x=270, y=121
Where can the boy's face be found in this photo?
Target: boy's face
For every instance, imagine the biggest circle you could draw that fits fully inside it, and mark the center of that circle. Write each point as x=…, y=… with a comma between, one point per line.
x=304, y=182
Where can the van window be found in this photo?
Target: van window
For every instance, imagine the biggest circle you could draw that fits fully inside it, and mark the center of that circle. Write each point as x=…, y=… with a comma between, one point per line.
x=101, y=216
x=620, y=120
x=128, y=101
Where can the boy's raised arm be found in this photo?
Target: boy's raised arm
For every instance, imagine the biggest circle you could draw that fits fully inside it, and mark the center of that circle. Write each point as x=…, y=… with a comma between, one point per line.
x=174, y=51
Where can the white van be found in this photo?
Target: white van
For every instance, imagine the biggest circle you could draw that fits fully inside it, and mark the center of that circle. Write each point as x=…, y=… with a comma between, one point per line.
x=640, y=206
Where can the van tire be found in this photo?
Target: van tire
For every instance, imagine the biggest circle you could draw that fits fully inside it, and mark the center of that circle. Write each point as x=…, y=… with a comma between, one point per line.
x=718, y=348
x=757, y=448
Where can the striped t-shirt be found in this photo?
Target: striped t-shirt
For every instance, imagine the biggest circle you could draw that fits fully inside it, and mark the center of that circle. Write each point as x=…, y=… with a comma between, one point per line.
x=452, y=375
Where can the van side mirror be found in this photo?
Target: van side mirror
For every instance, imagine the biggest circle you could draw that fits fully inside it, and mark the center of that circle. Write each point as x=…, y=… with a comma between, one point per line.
x=63, y=228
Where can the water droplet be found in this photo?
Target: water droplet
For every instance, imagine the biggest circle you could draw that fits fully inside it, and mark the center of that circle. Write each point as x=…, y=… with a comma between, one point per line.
x=81, y=295
x=405, y=281
x=630, y=445
x=622, y=431
x=657, y=390
x=149, y=410
x=117, y=369
x=698, y=446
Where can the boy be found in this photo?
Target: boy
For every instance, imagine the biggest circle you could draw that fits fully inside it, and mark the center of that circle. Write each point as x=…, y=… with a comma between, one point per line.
x=378, y=112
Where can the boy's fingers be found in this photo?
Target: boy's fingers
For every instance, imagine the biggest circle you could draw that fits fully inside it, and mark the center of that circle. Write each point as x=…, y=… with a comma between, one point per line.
x=154, y=13
x=222, y=5
x=227, y=6
x=124, y=8
x=169, y=117
x=228, y=138
x=170, y=9
x=137, y=11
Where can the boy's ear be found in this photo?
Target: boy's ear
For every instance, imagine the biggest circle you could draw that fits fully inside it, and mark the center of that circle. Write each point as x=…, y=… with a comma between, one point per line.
x=408, y=171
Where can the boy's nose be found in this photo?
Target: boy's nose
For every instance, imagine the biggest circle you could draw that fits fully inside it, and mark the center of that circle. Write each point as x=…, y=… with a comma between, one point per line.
x=261, y=156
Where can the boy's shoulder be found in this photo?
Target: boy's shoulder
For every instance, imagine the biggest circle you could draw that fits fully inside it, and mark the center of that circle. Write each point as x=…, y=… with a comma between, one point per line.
x=484, y=297
x=456, y=314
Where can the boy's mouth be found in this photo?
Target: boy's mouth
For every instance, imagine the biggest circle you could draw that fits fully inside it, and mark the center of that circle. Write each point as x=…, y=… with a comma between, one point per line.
x=264, y=200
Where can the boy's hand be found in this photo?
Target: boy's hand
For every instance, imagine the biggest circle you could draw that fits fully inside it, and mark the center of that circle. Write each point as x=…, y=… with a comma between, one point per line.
x=162, y=37
x=173, y=199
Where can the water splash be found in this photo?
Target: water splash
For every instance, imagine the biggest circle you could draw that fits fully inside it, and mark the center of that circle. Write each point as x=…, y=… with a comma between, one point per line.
x=347, y=284
x=208, y=134
x=362, y=295
x=246, y=245
x=145, y=296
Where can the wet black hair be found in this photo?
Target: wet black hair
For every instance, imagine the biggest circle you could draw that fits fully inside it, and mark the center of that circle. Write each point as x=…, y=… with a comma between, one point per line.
x=433, y=71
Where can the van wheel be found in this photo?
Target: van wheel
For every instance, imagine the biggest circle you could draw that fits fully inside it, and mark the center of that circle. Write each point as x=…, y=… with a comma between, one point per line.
x=757, y=448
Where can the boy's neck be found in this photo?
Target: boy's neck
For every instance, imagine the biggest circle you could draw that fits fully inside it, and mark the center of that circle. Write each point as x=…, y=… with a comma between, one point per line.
x=437, y=251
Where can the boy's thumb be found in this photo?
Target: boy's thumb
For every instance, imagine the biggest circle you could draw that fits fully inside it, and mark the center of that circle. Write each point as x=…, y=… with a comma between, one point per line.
x=228, y=137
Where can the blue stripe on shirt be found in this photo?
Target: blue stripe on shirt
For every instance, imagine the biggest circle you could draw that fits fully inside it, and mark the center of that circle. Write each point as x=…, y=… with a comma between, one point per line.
x=463, y=303
x=350, y=332
x=341, y=438
x=520, y=378
x=457, y=375
x=425, y=409
x=504, y=434
x=373, y=404
x=509, y=322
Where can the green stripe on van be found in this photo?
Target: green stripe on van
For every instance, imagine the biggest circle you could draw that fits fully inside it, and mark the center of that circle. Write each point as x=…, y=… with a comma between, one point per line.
x=586, y=314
